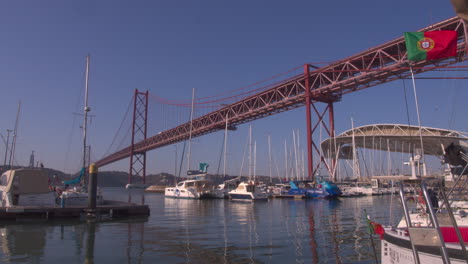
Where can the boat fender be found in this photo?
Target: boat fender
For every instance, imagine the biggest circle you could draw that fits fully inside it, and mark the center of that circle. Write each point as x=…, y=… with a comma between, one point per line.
x=421, y=198
x=462, y=213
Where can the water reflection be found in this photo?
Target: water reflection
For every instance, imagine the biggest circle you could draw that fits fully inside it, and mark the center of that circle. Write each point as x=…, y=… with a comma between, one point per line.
x=135, y=242
x=91, y=235
x=22, y=243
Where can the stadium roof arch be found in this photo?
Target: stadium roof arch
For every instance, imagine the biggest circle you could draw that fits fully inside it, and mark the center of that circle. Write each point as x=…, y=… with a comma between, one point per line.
x=393, y=138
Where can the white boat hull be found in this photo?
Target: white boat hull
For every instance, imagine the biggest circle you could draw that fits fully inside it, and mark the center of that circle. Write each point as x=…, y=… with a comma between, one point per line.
x=247, y=192
x=72, y=198
x=192, y=193
x=396, y=249
x=40, y=199
x=136, y=186
x=246, y=197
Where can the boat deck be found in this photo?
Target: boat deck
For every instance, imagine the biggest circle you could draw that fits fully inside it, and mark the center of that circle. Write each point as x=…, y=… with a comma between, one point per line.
x=112, y=209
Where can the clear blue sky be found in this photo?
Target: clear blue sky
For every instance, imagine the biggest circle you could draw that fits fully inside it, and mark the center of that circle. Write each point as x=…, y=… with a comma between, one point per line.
x=170, y=47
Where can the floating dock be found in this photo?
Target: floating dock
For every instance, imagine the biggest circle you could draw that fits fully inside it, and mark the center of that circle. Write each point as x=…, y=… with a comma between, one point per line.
x=110, y=209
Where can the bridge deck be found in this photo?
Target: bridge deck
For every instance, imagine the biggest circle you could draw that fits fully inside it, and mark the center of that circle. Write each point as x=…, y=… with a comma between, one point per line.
x=378, y=65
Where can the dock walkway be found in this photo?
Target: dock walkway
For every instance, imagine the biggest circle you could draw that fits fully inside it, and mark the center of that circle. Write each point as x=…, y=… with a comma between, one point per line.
x=112, y=209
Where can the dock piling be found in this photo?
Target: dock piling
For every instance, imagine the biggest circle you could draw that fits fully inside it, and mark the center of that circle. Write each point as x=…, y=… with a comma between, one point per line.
x=92, y=190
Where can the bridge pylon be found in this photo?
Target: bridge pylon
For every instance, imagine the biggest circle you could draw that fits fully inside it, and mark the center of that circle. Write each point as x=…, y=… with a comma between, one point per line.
x=139, y=133
x=312, y=102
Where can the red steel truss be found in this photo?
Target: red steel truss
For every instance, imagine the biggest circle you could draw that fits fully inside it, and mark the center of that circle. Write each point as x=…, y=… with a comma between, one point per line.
x=378, y=65
x=139, y=130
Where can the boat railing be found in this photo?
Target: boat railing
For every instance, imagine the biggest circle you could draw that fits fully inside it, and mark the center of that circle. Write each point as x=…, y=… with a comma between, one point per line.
x=432, y=234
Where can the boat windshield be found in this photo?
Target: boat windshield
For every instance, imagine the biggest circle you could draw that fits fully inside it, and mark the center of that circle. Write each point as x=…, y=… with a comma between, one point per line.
x=189, y=184
x=363, y=184
x=250, y=188
x=4, y=180
x=206, y=184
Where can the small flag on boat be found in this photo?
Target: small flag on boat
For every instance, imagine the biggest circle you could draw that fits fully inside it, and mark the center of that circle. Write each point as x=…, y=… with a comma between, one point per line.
x=431, y=45
x=375, y=228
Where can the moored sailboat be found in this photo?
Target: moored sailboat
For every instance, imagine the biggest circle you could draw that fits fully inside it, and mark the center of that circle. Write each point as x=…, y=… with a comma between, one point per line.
x=78, y=195
x=248, y=190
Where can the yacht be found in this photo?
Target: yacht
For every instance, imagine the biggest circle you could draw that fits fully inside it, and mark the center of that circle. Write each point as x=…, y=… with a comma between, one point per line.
x=228, y=186
x=26, y=187
x=247, y=191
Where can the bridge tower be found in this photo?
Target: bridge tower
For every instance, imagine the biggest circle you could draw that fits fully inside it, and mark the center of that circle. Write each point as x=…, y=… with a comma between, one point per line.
x=326, y=106
x=139, y=132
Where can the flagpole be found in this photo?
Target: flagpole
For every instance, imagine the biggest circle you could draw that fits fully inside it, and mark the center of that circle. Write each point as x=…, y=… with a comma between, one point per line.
x=419, y=116
x=371, y=231
x=466, y=36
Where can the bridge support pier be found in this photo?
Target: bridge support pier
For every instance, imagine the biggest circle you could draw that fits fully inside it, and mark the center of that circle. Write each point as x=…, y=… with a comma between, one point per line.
x=310, y=103
x=139, y=132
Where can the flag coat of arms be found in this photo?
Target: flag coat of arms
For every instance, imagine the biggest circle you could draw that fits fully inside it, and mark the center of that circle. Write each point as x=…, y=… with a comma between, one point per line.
x=431, y=45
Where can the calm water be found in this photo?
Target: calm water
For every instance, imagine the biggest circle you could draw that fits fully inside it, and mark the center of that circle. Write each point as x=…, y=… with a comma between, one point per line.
x=209, y=231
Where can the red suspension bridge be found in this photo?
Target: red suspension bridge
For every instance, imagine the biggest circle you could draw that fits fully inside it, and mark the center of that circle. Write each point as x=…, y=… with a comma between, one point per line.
x=317, y=88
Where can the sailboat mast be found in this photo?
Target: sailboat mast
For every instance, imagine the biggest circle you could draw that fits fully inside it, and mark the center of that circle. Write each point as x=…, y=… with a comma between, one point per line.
x=15, y=136
x=269, y=156
x=86, y=110
x=255, y=161
x=356, y=167
x=419, y=121
x=250, y=152
x=285, y=160
x=189, y=153
x=295, y=155
x=225, y=145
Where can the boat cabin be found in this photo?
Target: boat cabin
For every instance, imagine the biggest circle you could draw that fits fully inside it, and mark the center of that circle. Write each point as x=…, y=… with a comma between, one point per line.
x=195, y=184
x=25, y=187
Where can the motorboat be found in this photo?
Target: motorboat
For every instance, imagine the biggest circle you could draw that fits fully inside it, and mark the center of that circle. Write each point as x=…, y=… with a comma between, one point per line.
x=247, y=191
x=228, y=186
x=26, y=187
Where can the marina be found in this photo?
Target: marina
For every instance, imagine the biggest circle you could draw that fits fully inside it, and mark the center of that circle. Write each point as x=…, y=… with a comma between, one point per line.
x=357, y=154
x=208, y=231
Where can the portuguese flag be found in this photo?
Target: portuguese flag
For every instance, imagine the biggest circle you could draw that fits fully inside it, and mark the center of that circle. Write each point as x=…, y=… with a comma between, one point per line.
x=431, y=45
